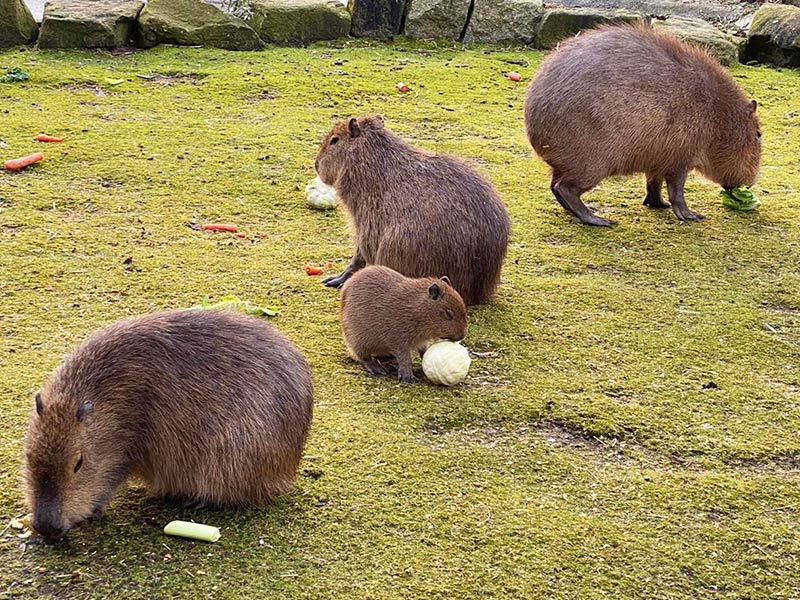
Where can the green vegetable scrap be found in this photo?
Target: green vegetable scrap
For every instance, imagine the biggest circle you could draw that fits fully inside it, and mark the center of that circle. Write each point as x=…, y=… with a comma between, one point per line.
x=195, y=531
x=739, y=198
x=233, y=303
x=14, y=74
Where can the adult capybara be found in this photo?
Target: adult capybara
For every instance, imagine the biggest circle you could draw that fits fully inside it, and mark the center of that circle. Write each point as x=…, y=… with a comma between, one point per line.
x=387, y=314
x=209, y=406
x=421, y=214
x=629, y=99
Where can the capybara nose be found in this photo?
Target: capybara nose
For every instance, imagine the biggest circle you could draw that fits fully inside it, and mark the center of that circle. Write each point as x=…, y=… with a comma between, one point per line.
x=47, y=529
x=457, y=338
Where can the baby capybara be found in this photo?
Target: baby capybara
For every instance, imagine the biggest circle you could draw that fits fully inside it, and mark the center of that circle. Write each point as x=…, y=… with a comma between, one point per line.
x=387, y=314
x=209, y=406
x=629, y=99
x=421, y=214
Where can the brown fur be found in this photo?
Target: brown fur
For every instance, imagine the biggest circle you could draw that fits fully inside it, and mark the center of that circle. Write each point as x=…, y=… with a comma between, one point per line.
x=209, y=406
x=629, y=99
x=421, y=214
x=386, y=314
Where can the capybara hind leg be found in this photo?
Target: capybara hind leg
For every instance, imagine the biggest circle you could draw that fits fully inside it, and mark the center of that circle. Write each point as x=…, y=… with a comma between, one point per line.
x=653, y=198
x=404, y=372
x=373, y=367
x=553, y=184
x=569, y=195
x=675, y=185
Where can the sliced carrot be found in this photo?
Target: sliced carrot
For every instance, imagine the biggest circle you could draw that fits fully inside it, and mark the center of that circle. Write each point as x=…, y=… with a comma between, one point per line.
x=402, y=87
x=220, y=227
x=20, y=163
x=263, y=234
x=241, y=234
x=330, y=264
x=43, y=137
x=311, y=270
x=513, y=76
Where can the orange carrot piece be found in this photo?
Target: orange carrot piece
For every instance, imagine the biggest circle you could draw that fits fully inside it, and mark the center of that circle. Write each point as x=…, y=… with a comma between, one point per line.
x=220, y=227
x=513, y=76
x=330, y=265
x=43, y=137
x=402, y=87
x=311, y=270
x=241, y=234
x=20, y=163
x=263, y=234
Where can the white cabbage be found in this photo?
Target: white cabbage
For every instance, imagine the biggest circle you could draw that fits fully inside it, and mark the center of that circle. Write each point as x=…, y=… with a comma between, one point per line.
x=446, y=363
x=320, y=196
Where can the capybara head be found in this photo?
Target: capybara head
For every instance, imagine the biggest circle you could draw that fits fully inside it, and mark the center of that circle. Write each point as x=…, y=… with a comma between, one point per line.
x=734, y=157
x=337, y=149
x=443, y=313
x=63, y=475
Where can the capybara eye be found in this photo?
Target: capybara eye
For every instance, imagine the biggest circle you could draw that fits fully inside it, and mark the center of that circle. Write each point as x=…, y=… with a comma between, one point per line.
x=78, y=464
x=758, y=134
x=334, y=139
x=449, y=313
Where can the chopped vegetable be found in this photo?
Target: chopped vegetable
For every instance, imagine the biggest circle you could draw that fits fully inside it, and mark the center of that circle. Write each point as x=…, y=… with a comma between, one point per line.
x=43, y=137
x=20, y=163
x=241, y=234
x=739, y=198
x=446, y=363
x=513, y=76
x=311, y=270
x=402, y=87
x=320, y=196
x=13, y=75
x=330, y=265
x=195, y=531
x=233, y=303
x=220, y=227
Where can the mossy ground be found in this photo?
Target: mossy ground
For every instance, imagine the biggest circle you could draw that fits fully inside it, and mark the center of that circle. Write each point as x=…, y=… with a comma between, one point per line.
x=630, y=430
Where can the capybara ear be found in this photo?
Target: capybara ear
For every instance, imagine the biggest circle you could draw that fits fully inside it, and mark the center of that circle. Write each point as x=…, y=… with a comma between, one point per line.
x=39, y=406
x=753, y=106
x=354, y=128
x=84, y=409
x=380, y=121
x=435, y=292
x=446, y=279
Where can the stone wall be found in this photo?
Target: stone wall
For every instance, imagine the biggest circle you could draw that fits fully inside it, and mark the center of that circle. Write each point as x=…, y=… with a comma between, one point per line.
x=774, y=35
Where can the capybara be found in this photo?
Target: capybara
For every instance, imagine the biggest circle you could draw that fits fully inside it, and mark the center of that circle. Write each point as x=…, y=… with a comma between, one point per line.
x=421, y=214
x=386, y=314
x=208, y=406
x=629, y=99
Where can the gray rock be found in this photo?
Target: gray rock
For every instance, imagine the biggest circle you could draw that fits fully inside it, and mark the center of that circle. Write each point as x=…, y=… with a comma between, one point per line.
x=720, y=44
x=88, y=23
x=504, y=21
x=193, y=23
x=17, y=25
x=376, y=18
x=561, y=23
x=775, y=35
x=299, y=21
x=437, y=19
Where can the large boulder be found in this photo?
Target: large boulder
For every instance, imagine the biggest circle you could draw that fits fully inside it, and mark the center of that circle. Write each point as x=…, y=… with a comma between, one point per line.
x=193, y=23
x=17, y=25
x=88, y=23
x=505, y=21
x=299, y=21
x=725, y=47
x=437, y=19
x=774, y=35
x=376, y=18
x=561, y=23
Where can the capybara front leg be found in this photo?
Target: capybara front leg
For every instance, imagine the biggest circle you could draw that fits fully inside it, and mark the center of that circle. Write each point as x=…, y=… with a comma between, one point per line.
x=373, y=367
x=653, y=198
x=569, y=195
x=405, y=373
x=675, y=183
x=337, y=281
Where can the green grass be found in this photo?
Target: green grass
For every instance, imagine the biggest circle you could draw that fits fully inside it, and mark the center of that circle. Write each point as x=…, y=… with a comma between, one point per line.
x=588, y=455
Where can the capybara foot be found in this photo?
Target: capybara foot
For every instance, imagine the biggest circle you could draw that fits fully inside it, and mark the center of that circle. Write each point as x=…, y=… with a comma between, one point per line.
x=336, y=281
x=407, y=377
x=373, y=367
x=655, y=202
x=686, y=214
x=592, y=219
